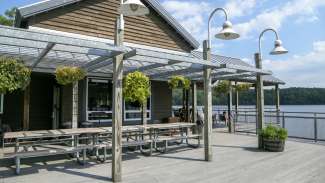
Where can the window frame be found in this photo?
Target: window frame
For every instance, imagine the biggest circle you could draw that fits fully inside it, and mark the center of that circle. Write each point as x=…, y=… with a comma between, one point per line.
x=137, y=111
x=87, y=98
x=1, y=103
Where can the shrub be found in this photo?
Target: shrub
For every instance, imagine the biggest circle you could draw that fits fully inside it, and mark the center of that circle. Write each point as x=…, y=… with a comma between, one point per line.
x=179, y=82
x=13, y=75
x=274, y=133
x=67, y=75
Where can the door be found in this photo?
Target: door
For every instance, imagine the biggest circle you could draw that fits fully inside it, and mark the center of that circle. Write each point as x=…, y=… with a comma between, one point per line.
x=56, y=107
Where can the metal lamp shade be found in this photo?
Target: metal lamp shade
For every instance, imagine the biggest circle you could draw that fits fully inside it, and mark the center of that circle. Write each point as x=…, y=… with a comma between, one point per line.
x=133, y=8
x=227, y=33
x=278, y=48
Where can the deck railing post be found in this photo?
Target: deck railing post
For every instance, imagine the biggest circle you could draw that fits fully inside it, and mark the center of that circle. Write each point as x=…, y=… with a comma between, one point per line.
x=283, y=120
x=315, y=126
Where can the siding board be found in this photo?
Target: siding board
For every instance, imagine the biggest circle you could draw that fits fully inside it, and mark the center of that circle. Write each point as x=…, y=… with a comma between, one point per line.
x=97, y=17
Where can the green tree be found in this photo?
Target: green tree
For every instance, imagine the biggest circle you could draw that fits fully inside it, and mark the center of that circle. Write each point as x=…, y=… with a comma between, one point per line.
x=9, y=17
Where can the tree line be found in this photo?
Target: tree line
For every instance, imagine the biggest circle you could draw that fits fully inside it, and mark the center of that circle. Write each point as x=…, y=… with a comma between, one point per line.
x=288, y=96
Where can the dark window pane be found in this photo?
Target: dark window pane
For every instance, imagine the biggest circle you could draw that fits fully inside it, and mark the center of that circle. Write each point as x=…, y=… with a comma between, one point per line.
x=99, y=95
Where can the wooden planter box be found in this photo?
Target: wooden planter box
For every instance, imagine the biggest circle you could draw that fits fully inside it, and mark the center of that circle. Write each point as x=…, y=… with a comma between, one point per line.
x=274, y=145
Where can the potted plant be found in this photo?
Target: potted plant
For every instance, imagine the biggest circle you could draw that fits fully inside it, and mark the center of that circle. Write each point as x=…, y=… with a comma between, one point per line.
x=179, y=82
x=67, y=75
x=274, y=138
x=136, y=88
x=14, y=75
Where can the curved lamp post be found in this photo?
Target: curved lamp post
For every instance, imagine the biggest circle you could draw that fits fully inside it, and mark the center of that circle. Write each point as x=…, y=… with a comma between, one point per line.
x=127, y=8
x=227, y=33
x=278, y=49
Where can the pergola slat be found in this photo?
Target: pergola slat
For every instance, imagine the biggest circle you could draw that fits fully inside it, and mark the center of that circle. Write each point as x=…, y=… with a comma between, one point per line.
x=33, y=35
x=45, y=51
x=150, y=67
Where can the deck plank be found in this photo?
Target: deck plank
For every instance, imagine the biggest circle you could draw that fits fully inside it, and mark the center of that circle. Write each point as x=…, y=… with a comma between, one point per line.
x=236, y=159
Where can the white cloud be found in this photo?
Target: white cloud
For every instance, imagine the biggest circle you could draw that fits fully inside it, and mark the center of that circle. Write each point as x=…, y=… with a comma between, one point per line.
x=238, y=8
x=193, y=15
x=275, y=17
x=301, y=70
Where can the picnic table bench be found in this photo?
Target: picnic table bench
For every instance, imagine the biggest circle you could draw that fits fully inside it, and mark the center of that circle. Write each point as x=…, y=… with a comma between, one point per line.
x=27, y=144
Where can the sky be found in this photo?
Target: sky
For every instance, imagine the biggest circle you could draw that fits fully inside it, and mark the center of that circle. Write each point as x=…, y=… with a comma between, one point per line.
x=300, y=24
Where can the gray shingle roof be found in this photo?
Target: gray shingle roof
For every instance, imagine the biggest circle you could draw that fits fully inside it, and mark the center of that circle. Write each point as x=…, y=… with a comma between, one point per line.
x=43, y=6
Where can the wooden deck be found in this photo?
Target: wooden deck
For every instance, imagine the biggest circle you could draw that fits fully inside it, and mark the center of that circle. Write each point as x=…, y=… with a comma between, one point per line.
x=235, y=160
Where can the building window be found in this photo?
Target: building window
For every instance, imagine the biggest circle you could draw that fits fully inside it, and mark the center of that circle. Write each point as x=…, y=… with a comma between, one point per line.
x=99, y=103
x=133, y=112
x=1, y=103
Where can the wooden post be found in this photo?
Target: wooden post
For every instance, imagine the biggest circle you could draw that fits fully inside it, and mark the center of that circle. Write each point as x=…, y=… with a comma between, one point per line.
x=230, y=118
x=144, y=114
x=117, y=105
x=187, y=106
x=207, y=104
x=194, y=102
x=237, y=103
x=277, y=102
x=26, y=108
x=260, y=99
x=75, y=105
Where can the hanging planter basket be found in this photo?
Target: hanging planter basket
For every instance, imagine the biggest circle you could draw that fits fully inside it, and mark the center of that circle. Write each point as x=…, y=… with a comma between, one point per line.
x=179, y=82
x=14, y=75
x=66, y=75
x=136, y=87
x=222, y=87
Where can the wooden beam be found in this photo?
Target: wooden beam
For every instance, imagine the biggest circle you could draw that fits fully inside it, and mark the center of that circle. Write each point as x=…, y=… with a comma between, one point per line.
x=277, y=102
x=75, y=97
x=117, y=107
x=26, y=108
x=151, y=66
x=237, y=103
x=100, y=65
x=231, y=126
x=42, y=55
x=260, y=99
x=207, y=104
x=194, y=102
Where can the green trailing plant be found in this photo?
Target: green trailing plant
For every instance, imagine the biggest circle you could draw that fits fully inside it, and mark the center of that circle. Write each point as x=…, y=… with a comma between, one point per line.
x=222, y=87
x=179, y=82
x=243, y=87
x=274, y=133
x=136, y=87
x=14, y=75
x=66, y=75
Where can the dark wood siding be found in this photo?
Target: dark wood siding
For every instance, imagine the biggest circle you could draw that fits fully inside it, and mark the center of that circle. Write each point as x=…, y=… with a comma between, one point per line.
x=41, y=101
x=161, y=101
x=13, y=110
x=96, y=18
x=66, y=113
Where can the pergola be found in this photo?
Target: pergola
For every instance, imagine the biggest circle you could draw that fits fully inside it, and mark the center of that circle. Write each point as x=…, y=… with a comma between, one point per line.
x=45, y=51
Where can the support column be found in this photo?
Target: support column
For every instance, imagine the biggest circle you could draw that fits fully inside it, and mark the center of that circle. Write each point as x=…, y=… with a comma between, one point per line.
x=207, y=104
x=277, y=102
x=260, y=99
x=26, y=108
x=75, y=105
x=236, y=103
x=194, y=102
x=230, y=117
x=187, y=106
x=117, y=106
